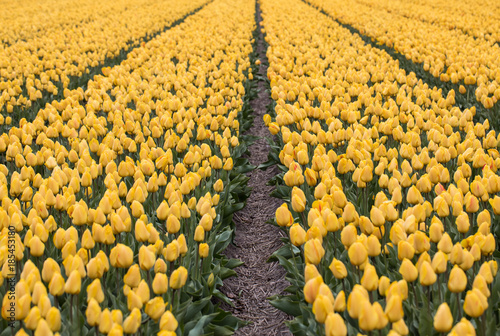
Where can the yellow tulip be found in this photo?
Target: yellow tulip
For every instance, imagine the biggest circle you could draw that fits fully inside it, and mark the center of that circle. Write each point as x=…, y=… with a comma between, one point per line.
x=284, y=216
x=53, y=318
x=475, y=303
x=357, y=254
x=178, y=278
x=93, y=312
x=443, y=320
x=338, y=269
x=311, y=289
x=155, y=308
x=322, y=306
x=335, y=325
x=73, y=284
x=121, y=256
x=313, y=251
x=132, y=322
x=168, y=322
x=370, y=278
x=408, y=270
x=394, y=308
x=427, y=274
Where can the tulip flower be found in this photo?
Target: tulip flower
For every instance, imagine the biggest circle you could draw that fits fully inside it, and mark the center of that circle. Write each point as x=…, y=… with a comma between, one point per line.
x=121, y=256
x=394, y=308
x=178, y=278
x=93, y=312
x=357, y=254
x=338, y=269
x=168, y=322
x=53, y=319
x=370, y=278
x=408, y=270
x=313, y=251
x=475, y=303
x=155, y=308
x=132, y=322
x=443, y=320
x=73, y=284
x=284, y=216
x=335, y=325
x=427, y=274
x=322, y=306
x=311, y=289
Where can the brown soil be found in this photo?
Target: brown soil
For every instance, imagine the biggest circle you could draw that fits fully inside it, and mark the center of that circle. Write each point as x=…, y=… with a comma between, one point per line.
x=255, y=240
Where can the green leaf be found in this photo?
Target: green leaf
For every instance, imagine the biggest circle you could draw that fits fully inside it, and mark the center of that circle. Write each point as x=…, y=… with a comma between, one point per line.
x=425, y=324
x=197, y=329
x=194, y=308
x=287, y=305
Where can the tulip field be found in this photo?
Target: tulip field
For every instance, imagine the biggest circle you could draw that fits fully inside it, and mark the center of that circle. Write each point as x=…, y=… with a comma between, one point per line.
x=125, y=136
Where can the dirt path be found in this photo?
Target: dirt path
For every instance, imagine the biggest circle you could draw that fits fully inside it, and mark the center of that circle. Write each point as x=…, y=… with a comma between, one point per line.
x=255, y=240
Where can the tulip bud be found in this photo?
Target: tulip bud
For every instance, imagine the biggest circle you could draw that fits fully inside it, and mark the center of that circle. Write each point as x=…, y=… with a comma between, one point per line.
x=340, y=304
x=155, y=308
x=322, y=306
x=367, y=316
x=394, y=308
x=335, y=325
x=349, y=235
x=36, y=247
x=160, y=284
x=43, y=328
x=168, y=322
x=408, y=270
x=370, y=278
x=147, y=258
x=105, y=321
x=481, y=284
x=173, y=224
x=357, y=296
x=284, y=216
x=121, y=256
x=405, y=250
x=310, y=272
x=427, y=274
x=203, y=250
x=133, y=276
x=313, y=251
x=93, y=312
x=34, y=316
x=357, y=254
x=443, y=320
x=132, y=322
x=439, y=262
x=338, y=269
x=53, y=319
x=311, y=289
x=162, y=211
x=475, y=303
x=74, y=283
x=486, y=272
x=57, y=284
x=199, y=234
x=178, y=278
x=400, y=328
x=462, y=222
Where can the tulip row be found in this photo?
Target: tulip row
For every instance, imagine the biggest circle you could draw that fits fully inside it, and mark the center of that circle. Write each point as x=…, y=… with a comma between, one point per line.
x=390, y=189
x=117, y=201
x=470, y=63
x=471, y=17
x=40, y=63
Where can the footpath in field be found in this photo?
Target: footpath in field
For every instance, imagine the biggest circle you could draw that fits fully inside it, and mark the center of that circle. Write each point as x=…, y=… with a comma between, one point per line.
x=255, y=239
